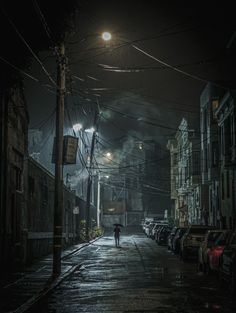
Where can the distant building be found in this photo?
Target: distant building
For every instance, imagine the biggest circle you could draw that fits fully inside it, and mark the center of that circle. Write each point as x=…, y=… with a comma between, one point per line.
x=155, y=179
x=226, y=117
x=172, y=147
x=185, y=174
x=113, y=200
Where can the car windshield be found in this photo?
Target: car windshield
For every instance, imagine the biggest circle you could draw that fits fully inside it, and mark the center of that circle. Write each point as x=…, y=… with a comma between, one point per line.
x=221, y=240
x=213, y=236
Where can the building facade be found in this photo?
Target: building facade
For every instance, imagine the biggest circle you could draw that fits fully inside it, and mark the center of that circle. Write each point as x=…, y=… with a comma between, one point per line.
x=226, y=117
x=185, y=174
x=172, y=147
x=14, y=127
x=210, y=146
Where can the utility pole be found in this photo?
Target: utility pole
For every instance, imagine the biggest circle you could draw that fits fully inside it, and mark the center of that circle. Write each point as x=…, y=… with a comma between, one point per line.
x=89, y=185
x=98, y=201
x=58, y=188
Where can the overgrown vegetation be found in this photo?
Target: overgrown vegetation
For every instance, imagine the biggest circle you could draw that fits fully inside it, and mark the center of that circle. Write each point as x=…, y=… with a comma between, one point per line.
x=93, y=232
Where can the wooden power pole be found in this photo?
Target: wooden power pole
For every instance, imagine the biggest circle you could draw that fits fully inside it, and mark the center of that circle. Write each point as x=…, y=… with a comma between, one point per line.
x=58, y=191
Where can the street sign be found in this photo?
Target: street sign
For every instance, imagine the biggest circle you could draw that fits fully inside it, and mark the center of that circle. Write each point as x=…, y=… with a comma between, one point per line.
x=70, y=146
x=76, y=210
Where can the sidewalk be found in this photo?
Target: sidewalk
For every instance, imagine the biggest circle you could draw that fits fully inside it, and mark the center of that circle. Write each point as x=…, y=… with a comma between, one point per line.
x=20, y=294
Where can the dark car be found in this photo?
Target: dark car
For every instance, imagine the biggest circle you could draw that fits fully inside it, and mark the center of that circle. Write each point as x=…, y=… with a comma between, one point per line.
x=227, y=267
x=163, y=235
x=156, y=228
x=191, y=241
x=176, y=240
x=217, y=249
x=171, y=237
x=207, y=244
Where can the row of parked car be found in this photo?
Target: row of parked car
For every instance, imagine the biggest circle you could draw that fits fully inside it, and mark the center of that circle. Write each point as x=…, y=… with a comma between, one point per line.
x=214, y=249
x=157, y=230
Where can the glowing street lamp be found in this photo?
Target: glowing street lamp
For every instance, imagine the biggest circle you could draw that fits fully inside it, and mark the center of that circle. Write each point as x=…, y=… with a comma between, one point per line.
x=90, y=130
x=106, y=36
x=108, y=157
x=77, y=127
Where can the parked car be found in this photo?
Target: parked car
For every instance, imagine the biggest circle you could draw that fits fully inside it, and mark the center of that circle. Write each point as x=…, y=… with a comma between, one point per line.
x=171, y=237
x=149, y=228
x=156, y=225
x=145, y=224
x=191, y=241
x=216, y=250
x=227, y=266
x=176, y=240
x=156, y=228
x=163, y=235
x=203, y=252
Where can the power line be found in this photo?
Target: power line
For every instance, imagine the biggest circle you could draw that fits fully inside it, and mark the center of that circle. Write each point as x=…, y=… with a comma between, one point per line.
x=29, y=48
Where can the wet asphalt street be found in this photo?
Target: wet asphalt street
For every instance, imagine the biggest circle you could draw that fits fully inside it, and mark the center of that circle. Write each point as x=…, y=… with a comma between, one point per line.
x=139, y=276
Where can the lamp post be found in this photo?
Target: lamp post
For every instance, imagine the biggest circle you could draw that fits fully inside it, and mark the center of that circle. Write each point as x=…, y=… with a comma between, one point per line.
x=89, y=183
x=98, y=201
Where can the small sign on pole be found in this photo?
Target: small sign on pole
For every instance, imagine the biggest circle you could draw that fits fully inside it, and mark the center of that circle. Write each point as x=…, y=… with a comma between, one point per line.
x=76, y=210
x=70, y=146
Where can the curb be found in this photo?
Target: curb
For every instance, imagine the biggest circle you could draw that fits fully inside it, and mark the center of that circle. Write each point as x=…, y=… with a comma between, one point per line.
x=50, y=286
x=33, y=300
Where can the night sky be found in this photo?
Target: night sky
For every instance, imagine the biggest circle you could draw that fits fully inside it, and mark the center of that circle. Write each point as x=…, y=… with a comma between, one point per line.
x=135, y=92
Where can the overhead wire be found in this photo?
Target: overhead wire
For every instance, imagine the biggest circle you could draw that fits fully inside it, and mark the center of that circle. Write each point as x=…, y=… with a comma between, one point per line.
x=29, y=48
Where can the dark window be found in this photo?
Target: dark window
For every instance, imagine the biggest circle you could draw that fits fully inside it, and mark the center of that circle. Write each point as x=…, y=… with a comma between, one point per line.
x=31, y=185
x=214, y=107
x=227, y=136
x=205, y=160
x=44, y=193
x=215, y=154
x=227, y=182
x=196, y=164
x=222, y=187
x=17, y=178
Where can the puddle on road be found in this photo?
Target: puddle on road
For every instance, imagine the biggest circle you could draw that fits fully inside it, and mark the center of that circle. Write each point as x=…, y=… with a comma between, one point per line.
x=179, y=280
x=214, y=306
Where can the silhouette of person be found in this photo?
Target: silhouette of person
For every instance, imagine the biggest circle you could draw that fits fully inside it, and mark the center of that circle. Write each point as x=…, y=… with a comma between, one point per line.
x=117, y=235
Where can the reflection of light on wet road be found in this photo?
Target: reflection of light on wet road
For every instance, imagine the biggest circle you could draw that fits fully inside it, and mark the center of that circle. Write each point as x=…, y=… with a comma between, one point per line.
x=212, y=306
x=179, y=280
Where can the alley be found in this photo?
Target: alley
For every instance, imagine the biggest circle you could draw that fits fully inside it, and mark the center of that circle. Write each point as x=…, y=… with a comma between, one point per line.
x=139, y=276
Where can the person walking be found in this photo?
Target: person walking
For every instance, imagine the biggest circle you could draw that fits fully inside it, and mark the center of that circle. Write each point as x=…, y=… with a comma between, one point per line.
x=117, y=235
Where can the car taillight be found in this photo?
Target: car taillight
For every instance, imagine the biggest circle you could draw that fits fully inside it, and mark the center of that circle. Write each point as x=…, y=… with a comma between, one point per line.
x=217, y=250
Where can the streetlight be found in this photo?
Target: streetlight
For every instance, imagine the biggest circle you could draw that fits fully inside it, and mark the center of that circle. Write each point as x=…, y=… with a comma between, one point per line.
x=106, y=36
x=77, y=127
x=99, y=198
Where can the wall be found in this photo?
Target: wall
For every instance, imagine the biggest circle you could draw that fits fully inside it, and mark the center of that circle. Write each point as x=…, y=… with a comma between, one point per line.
x=40, y=210
x=14, y=127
